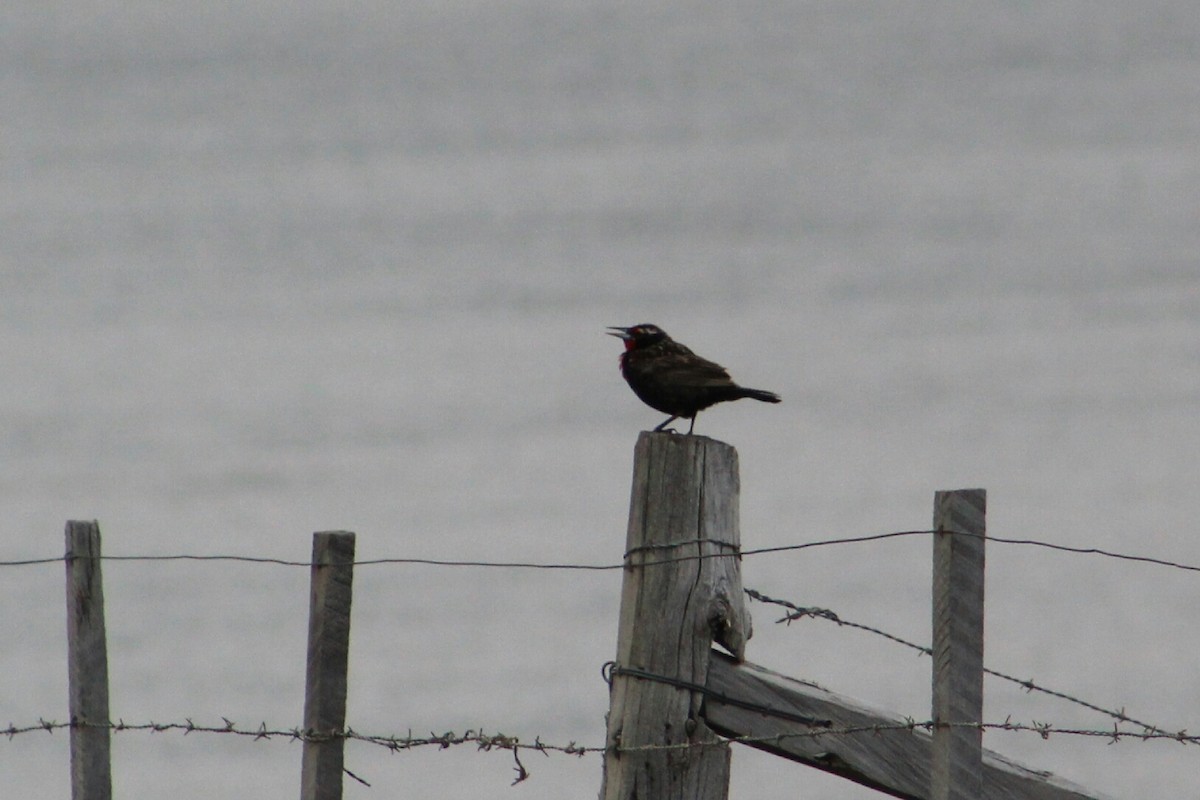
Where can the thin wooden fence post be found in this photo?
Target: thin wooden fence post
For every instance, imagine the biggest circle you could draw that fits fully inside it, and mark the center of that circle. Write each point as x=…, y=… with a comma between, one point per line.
x=956, y=769
x=682, y=591
x=87, y=665
x=328, y=662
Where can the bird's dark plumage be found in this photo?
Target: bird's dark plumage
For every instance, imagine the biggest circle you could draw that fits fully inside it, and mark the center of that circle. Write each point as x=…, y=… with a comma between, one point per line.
x=670, y=378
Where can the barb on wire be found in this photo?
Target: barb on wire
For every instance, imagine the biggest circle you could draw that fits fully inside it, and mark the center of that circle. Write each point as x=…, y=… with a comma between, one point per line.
x=797, y=612
x=801, y=612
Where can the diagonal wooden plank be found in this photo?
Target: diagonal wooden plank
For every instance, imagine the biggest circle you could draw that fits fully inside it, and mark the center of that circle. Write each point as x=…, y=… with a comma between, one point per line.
x=895, y=762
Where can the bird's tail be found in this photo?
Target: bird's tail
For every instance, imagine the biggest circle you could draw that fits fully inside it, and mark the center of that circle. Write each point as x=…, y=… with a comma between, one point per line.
x=759, y=394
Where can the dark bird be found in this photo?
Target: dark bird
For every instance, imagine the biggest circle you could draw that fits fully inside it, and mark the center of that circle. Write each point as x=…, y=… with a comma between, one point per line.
x=670, y=378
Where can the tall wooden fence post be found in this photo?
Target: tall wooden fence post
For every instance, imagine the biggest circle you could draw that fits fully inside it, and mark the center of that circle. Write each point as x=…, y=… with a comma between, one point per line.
x=682, y=591
x=956, y=769
x=328, y=661
x=87, y=660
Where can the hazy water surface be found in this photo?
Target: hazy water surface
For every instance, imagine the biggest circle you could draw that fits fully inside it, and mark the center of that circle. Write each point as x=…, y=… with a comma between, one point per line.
x=269, y=270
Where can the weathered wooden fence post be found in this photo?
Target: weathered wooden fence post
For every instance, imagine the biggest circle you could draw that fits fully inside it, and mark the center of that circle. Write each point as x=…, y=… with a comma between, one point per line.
x=87, y=665
x=328, y=660
x=682, y=591
x=956, y=769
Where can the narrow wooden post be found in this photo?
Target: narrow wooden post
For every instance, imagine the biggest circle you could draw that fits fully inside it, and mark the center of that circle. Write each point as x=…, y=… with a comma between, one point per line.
x=328, y=660
x=87, y=665
x=956, y=771
x=682, y=591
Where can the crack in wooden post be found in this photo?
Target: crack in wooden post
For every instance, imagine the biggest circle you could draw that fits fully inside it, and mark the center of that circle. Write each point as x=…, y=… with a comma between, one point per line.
x=684, y=498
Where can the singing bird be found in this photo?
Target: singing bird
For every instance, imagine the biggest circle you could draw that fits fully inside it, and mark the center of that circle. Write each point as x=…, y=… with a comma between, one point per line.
x=669, y=377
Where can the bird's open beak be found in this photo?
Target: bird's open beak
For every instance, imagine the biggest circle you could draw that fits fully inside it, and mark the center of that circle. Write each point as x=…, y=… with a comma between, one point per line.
x=620, y=333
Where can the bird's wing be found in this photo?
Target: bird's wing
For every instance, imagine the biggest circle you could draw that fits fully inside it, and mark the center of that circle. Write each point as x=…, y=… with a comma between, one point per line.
x=692, y=370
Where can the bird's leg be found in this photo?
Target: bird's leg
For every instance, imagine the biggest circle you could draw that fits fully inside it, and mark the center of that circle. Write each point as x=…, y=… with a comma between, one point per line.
x=668, y=421
x=693, y=425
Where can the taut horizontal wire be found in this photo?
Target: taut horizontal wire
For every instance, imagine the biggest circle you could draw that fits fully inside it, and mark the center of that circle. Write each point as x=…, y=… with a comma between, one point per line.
x=438, y=562
x=1097, y=552
x=370, y=562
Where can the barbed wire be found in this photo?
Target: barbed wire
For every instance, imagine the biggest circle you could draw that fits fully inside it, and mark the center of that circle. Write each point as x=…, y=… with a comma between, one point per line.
x=438, y=562
x=797, y=612
x=500, y=741
x=484, y=741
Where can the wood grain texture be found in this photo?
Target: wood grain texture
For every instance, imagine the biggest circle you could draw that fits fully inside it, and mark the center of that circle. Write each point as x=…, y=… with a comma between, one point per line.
x=684, y=505
x=87, y=665
x=895, y=762
x=958, y=596
x=328, y=663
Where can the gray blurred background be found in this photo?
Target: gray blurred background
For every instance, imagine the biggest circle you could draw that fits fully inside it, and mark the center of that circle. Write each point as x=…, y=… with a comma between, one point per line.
x=271, y=268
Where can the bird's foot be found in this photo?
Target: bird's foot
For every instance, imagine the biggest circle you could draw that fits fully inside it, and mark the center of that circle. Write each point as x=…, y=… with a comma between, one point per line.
x=662, y=427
